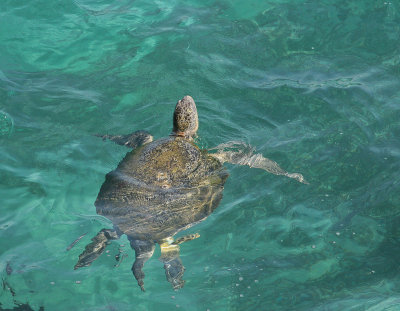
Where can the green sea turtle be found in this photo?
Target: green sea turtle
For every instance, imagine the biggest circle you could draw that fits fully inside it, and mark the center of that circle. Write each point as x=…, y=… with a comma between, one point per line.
x=165, y=186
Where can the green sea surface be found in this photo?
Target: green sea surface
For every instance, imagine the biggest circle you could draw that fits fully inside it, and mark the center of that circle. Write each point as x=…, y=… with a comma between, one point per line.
x=313, y=85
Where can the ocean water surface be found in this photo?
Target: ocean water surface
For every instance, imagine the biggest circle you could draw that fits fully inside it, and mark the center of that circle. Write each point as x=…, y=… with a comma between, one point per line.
x=313, y=85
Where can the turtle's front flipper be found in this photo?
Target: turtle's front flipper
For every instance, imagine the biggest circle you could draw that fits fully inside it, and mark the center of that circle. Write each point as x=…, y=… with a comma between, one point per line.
x=240, y=153
x=134, y=140
x=143, y=252
x=96, y=248
x=173, y=266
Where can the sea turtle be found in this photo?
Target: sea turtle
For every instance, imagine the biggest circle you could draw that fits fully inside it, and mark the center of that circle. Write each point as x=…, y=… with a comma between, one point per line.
x=165, y=186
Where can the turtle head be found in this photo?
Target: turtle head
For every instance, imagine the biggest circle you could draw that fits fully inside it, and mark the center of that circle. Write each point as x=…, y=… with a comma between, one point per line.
x=186, y=121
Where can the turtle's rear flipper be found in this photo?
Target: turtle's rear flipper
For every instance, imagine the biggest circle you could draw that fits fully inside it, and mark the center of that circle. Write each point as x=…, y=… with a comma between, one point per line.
x=186, y=238
x=173, y=266
x=134, y=140
x=143, y=252
x=96, y=248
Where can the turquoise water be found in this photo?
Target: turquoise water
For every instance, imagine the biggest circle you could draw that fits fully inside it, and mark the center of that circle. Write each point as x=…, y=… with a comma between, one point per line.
x=313, y=85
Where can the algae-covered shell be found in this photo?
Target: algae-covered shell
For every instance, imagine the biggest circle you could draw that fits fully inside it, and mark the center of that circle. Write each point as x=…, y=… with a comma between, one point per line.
x=161, y=188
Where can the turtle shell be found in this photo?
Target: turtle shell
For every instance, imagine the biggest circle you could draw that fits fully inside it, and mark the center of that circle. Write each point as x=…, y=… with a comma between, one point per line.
x=161, y=188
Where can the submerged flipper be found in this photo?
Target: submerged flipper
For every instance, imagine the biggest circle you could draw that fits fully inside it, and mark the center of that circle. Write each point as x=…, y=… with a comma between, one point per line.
x=143, y=252
x=173, y=266
x=186, y=238
x=134, y=140
x=96, y=248
x=240, y=153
